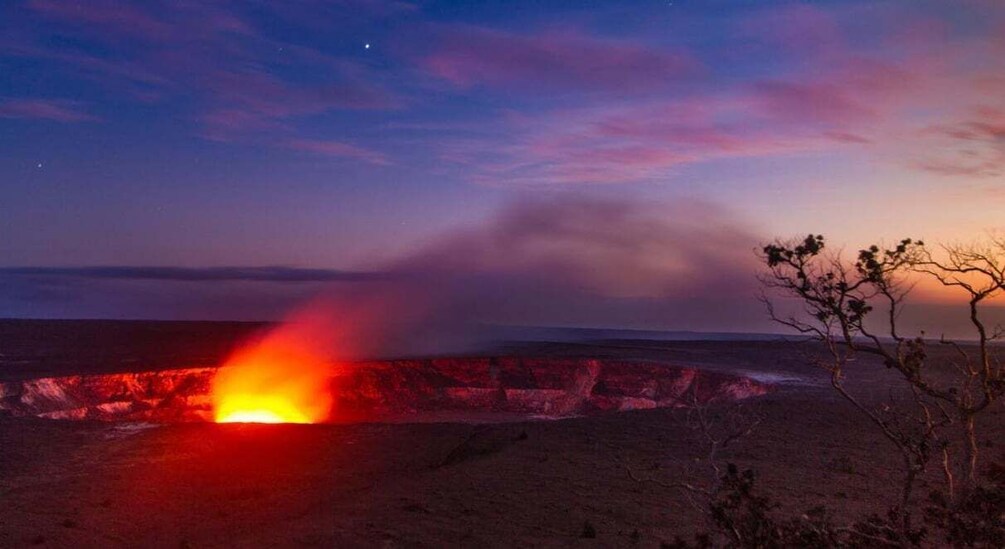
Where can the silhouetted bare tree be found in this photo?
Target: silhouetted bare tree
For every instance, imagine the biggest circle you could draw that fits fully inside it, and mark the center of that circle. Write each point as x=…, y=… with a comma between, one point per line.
x=839, y=301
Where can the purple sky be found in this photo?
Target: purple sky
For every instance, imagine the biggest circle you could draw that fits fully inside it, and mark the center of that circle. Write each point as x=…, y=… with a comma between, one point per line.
x=343, y=140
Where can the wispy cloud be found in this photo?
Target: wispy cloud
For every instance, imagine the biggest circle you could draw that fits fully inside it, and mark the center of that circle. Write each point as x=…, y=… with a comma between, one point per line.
x=236, y=79
x=338, y=149
x=110, y=15
x=196, y=274
x=560, y=101
x=635, y=142
x=563, y=60
x=975, y=145
x=826, y=90
x=244, y=101
x=44, y=109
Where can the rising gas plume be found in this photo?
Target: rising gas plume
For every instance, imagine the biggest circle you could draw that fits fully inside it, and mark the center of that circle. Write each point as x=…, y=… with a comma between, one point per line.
x=543, y=262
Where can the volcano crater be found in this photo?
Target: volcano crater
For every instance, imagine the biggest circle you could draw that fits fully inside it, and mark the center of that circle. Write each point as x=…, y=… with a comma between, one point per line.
x=460, y=389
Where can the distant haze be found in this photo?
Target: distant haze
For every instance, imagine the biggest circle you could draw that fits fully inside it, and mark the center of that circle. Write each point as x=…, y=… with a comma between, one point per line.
x=573, y=262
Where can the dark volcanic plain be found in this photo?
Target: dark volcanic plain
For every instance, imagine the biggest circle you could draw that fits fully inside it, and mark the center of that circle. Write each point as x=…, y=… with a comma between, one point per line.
x=536, y=483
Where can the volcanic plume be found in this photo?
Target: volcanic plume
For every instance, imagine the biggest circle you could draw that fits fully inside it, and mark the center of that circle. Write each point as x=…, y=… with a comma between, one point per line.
x=539, y=262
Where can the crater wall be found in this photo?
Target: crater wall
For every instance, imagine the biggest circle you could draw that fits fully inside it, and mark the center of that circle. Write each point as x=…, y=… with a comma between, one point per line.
x=396, y=390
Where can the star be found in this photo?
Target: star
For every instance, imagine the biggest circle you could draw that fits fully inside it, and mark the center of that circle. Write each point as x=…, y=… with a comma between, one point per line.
x=39, y=165
x=366, y=46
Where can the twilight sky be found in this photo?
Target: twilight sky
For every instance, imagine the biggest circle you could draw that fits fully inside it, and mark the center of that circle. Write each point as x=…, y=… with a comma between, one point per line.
x=222, y=159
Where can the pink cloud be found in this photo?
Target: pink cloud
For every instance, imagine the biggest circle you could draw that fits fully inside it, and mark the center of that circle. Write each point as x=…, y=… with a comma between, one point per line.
x=114, y=15
x=226, y=124
x=828, y=97
x=639, y=141
x=243, y=102
x=263, y=92
x=150, y=22
x=852, y=94
x=467, y=56
x=44, y=109
x=135, y=79
x=816, y=78
x=338, y=149
x=846, y=137
x=809, y=103
x=213, y=57
x=973, y=147
x=324, y=14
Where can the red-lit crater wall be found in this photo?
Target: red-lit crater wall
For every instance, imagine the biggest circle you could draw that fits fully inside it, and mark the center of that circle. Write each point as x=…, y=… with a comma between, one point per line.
x=396, y=390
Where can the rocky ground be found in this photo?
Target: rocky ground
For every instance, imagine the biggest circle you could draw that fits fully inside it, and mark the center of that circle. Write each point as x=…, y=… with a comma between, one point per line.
x=530, y=483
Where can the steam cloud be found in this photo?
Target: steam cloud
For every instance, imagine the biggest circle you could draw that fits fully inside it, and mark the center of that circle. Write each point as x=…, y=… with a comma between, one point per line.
x=557, y=261
x=553, y=262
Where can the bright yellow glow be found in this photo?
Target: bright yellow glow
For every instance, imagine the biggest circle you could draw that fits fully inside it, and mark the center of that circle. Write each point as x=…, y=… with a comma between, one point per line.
x=282, y=378
x=257, y=409
x=260, y=416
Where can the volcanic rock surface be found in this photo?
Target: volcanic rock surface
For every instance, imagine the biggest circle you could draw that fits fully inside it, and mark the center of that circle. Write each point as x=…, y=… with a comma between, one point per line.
x=398, y=390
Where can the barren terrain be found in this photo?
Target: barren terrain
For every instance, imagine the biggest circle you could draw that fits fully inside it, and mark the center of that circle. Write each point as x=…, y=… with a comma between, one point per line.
x=530, y=483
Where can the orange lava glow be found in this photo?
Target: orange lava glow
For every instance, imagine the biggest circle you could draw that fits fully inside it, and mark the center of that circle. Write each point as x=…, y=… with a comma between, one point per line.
x=258, y=409
x=255, y=416
x=281, y=379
